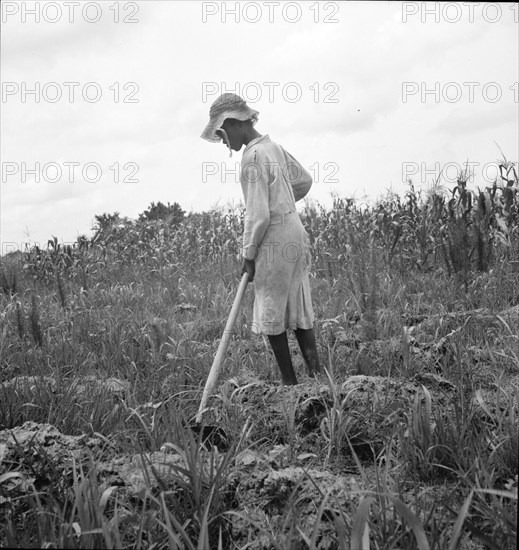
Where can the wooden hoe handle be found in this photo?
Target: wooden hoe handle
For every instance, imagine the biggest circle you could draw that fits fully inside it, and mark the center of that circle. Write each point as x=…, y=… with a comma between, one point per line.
x=222, y=348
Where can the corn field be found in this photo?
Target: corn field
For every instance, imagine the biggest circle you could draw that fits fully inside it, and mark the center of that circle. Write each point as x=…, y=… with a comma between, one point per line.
x=460, y=232
x=410, y=442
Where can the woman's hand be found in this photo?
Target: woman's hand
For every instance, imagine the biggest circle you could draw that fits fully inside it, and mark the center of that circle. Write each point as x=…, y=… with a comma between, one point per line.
x=249, y=266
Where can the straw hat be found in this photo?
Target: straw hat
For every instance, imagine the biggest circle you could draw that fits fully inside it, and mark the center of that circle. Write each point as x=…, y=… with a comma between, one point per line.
x=227, y=106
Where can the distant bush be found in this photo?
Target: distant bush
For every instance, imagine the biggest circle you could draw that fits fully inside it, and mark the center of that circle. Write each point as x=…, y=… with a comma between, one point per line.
x=172, y=213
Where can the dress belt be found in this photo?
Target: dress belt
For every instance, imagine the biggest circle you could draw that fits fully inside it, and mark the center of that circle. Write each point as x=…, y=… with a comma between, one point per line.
x=279, y=217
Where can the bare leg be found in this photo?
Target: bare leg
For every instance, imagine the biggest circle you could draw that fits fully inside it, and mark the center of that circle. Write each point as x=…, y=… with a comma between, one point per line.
x=306, y=340
x=279, y=344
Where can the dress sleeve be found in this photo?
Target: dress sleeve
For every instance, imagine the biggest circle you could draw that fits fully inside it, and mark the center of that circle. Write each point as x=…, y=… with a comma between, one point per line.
x=256, y=175
x=298, y=177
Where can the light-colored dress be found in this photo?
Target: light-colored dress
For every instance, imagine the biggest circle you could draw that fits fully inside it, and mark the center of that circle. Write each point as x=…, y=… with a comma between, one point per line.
x=272, y=181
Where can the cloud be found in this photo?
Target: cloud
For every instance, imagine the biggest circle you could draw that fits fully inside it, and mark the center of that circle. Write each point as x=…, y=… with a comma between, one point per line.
x=469, y=121
x=171, y=53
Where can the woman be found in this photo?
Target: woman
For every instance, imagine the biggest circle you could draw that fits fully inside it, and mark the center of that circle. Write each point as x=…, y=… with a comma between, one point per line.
x=275, y=244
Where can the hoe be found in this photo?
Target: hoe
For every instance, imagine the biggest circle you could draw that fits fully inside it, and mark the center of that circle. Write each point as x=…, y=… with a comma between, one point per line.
x=214, y=434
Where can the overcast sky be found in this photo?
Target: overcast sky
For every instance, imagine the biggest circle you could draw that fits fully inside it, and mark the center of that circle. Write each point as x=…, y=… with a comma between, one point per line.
x=363, y=94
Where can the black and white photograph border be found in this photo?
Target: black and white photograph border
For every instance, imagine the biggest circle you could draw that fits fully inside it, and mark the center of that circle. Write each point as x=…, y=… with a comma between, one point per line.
x=259, y=274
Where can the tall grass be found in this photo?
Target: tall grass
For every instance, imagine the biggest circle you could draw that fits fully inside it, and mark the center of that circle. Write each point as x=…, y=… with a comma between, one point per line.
x=419, y=289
